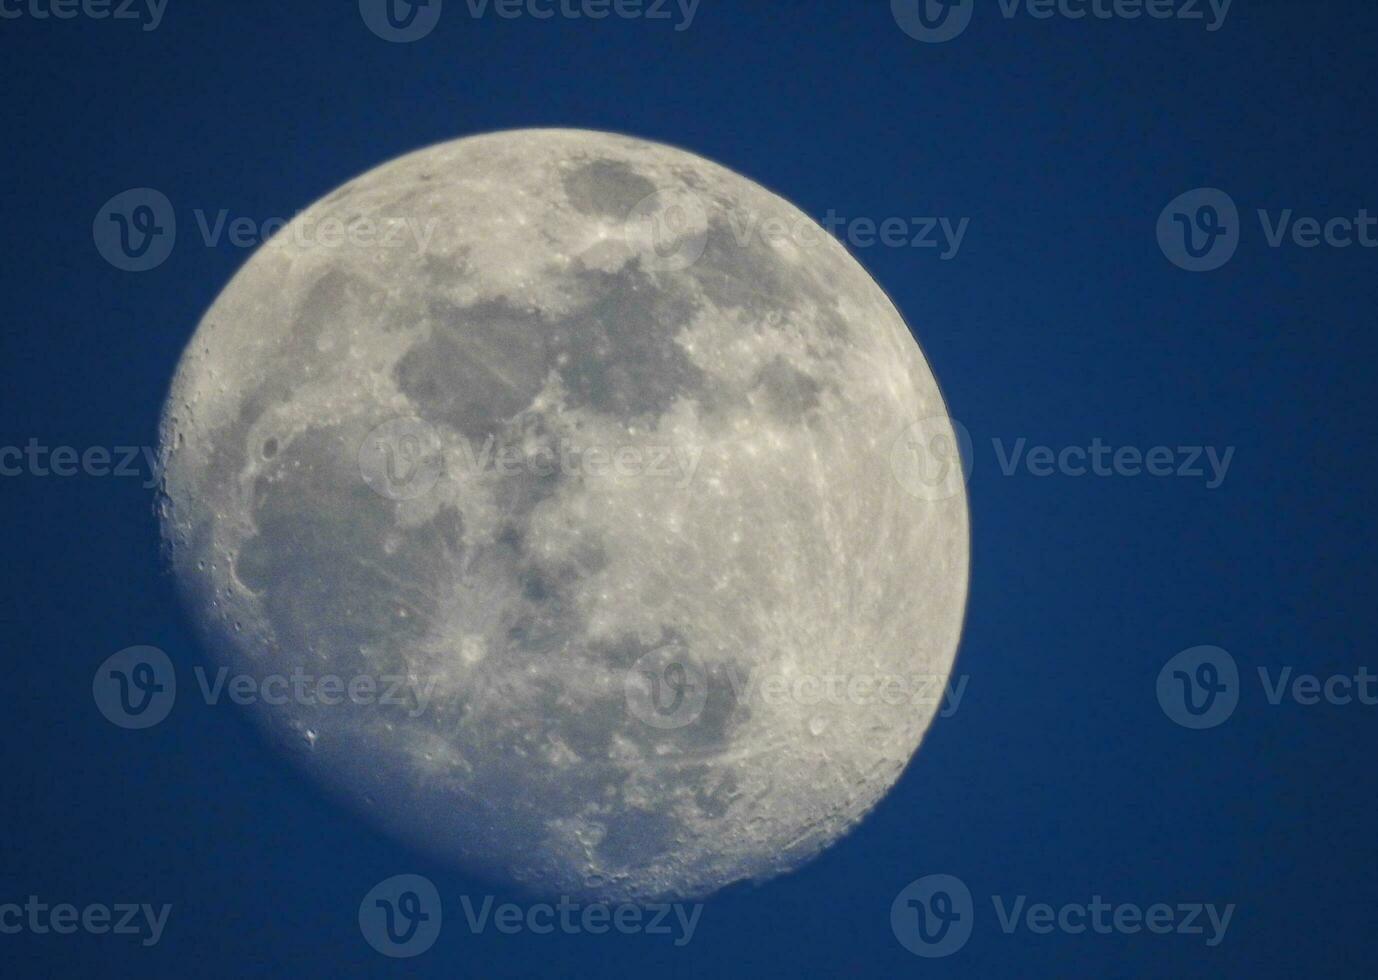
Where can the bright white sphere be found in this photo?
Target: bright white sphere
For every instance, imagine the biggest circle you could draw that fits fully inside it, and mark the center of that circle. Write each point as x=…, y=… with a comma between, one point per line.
x=593, y=443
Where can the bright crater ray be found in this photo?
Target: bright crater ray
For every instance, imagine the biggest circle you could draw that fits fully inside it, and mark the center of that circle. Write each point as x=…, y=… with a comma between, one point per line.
x=557, y=444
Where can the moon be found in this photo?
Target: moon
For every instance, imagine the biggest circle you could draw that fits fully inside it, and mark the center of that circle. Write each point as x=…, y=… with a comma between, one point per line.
x=553, y=496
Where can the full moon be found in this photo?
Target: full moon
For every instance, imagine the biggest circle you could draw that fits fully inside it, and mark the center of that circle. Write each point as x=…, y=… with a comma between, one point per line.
x=555, y=493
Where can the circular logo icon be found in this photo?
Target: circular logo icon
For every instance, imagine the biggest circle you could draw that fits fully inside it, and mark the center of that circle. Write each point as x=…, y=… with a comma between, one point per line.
x=932, y=916
x=400, y=21
x=932, y=21
x=1199, y=687
x=1199, y=230
x=401, y=916
x=668, y=232
x=136, y=687
x=666, y=688
x=402, y=459
x=931, y=459
x=135, y=230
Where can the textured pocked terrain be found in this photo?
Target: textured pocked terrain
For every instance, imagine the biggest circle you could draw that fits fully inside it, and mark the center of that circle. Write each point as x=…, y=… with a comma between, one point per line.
x=630, y=673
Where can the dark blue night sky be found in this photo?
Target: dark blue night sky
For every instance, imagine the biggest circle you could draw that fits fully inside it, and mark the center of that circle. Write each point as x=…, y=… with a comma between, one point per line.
x=1063, y=322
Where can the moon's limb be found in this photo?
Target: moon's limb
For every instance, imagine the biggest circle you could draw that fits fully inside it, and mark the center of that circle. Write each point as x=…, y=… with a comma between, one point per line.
x=529, y=606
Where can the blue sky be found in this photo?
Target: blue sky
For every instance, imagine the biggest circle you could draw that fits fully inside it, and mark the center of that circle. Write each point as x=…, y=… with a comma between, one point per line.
x=1225, y=508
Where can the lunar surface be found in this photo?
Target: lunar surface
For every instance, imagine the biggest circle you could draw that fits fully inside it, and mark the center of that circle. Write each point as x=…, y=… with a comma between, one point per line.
x=543, y=482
